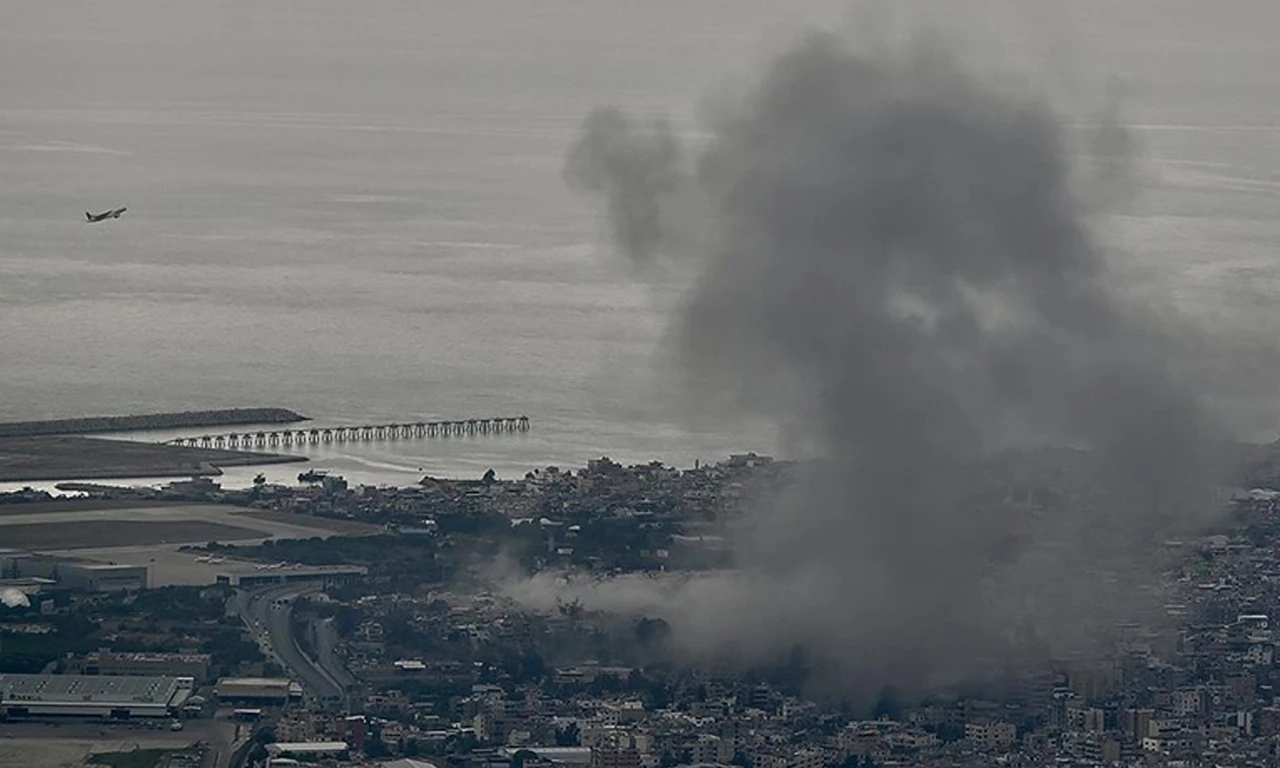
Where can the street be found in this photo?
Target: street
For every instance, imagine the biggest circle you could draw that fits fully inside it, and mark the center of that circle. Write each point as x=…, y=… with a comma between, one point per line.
x=270, y=623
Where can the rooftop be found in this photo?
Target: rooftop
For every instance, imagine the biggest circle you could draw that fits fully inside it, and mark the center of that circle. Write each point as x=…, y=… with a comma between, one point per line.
x=257, y=682
x=144, y=656
x=302, y=747
x=78, y=688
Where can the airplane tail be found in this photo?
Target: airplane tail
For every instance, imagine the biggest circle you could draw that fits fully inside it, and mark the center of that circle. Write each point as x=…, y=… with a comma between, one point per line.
x=88, y=216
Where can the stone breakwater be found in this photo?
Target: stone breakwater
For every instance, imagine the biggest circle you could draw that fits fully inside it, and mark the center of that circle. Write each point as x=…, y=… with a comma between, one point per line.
x=183, y=420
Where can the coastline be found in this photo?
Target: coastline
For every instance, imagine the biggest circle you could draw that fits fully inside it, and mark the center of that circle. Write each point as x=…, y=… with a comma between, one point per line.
x=226, y=417
x=64, y=457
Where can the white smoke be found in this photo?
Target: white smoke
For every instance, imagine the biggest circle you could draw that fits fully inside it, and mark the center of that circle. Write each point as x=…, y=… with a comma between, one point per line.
x=14, y=598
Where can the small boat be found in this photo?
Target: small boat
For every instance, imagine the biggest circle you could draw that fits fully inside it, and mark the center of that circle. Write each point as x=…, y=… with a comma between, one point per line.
x=260, y=479
x=312, y=476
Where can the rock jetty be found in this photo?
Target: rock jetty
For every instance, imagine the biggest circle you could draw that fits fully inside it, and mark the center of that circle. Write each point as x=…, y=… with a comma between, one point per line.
x=184, y=420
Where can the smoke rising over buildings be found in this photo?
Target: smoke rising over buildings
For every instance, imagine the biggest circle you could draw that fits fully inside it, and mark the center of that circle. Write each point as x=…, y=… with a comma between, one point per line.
x=891, y=260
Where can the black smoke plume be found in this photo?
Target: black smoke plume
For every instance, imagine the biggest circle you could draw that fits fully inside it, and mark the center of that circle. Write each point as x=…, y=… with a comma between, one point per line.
x=891, y=261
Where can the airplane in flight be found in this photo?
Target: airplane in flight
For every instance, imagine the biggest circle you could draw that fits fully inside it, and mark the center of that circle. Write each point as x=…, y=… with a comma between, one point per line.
x=94, y=218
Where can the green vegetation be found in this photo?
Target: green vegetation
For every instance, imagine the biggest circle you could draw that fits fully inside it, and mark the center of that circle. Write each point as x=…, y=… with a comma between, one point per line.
x=337, y=550
x=170, y=604
x=229, y=648
x=31, y=653
x=394, y=562
x=164, y=620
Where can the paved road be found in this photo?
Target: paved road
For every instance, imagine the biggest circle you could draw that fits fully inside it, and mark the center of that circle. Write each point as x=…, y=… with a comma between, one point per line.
x=271, y=625
x=326, y=652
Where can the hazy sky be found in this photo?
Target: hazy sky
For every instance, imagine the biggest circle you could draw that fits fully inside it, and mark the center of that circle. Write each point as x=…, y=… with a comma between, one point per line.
x=339, y=189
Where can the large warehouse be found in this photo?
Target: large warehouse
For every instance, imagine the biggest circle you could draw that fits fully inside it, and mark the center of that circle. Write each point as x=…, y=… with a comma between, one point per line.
x=73, y=573
x=115, y=698
x=257, y=689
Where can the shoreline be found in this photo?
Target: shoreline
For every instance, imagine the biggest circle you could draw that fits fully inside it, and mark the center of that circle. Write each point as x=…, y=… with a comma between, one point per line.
x=73, y=458
x=203, y=470
x=225, y=417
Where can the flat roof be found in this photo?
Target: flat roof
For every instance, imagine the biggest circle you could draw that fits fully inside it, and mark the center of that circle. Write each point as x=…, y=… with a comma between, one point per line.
x=254, y=682
x=295, y=570
x=549, y=752
x=146, y=656
x=298, y=747
x=103, y=567
x=91, y=688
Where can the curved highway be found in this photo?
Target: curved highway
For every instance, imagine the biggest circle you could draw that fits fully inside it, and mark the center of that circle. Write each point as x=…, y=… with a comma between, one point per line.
x=270, y=622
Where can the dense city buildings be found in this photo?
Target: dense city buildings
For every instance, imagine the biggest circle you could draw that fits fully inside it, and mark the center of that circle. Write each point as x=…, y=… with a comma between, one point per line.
x=434, y=663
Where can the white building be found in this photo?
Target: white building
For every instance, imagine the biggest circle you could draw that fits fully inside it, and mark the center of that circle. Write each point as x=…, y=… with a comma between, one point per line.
x=307, y=749
x=92, y=696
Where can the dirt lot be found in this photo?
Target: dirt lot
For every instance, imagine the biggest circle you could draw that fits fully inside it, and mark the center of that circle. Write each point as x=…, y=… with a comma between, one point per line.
x=76, y=505
x=21, y=752
x=80, y=458
x=67, y=745
x=119, y=533
x=150, y=534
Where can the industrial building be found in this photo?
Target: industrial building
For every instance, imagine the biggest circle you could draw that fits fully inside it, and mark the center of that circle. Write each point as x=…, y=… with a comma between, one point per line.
x=19, y=564
x=266, y=690
x=308, y=749
x=71, y=573
x=114, y=698
x=102, y=577
x=284, y=574
x=105, y=662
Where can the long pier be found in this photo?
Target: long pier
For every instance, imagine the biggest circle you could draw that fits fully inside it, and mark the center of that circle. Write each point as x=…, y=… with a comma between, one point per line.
x=358, y=433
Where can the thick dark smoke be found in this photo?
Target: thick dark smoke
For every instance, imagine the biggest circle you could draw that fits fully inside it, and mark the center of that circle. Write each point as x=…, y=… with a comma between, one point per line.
x=892, y=261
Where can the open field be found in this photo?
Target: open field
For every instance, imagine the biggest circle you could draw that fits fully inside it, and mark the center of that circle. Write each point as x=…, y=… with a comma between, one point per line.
x=69, y=744
x=81, y=458
x=151, y=534
x=76, y=505
x=70, y=753
x=62, y=752
x=120, y=533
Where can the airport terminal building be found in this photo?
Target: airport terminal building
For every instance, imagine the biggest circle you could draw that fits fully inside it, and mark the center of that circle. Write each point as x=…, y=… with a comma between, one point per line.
x=281, y=574
x=107, y=698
